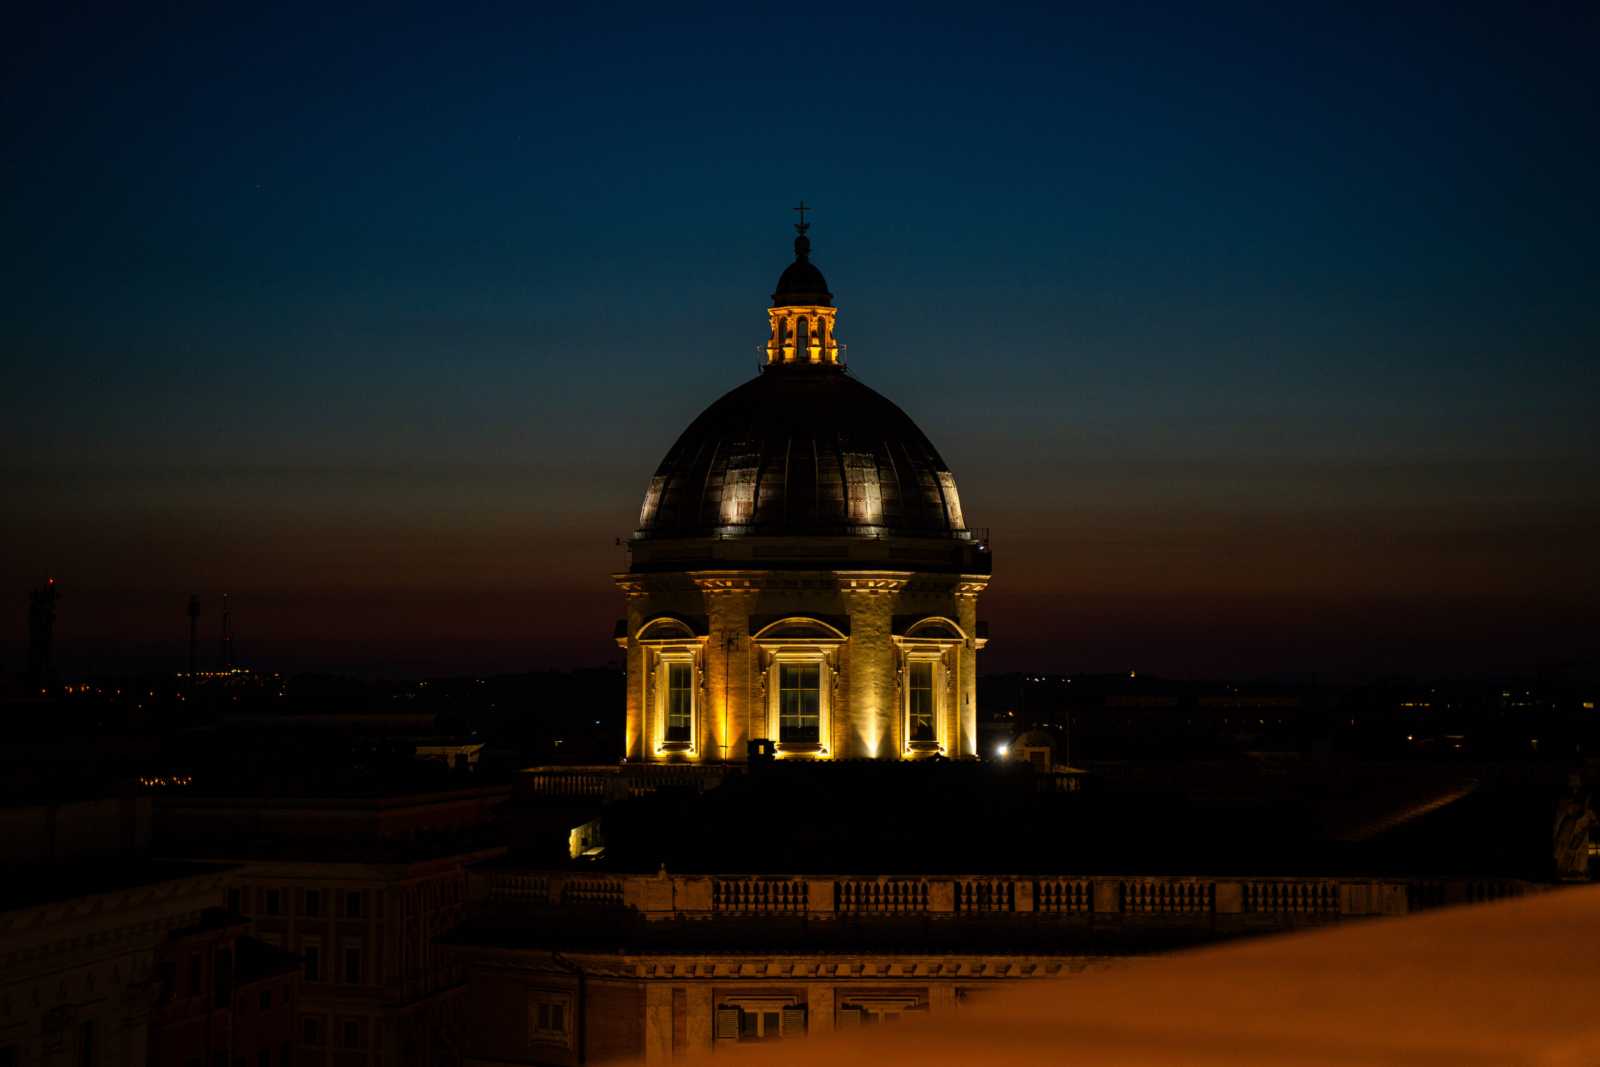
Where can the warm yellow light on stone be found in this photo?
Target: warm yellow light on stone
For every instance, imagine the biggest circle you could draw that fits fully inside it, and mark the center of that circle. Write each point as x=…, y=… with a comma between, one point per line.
x=786, y=324
x=861, y=568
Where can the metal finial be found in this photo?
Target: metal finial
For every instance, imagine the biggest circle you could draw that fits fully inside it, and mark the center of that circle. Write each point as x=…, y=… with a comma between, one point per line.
x=802, y=226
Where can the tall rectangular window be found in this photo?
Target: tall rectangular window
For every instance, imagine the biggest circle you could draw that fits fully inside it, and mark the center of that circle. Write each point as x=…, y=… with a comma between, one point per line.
x=680, y=700
x=919, y=701
x=352, y=965
x=313, y=958
x=799, y=702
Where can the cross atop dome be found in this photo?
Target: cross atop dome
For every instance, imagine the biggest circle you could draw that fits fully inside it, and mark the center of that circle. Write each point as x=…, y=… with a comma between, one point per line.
x=802, y=284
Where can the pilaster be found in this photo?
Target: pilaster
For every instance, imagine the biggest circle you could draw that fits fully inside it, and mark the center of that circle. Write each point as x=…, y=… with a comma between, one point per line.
x=870, y=718
x=729, y=659
x=966, y=593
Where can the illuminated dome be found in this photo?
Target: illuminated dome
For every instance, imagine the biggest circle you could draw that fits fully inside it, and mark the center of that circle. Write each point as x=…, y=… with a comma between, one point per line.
x=803, y=449
x=802, y=584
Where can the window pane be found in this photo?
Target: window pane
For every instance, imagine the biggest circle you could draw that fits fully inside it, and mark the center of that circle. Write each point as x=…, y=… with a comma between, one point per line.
x=680, y=700
x=919, y=701
x=799, y=702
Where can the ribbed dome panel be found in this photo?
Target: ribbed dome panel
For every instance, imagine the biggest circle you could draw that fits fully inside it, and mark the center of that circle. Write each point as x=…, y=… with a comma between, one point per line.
x=801, y=450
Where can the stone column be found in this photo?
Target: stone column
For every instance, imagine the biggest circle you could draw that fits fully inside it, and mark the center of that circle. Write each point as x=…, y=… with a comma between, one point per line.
x=869, y=720
x=636, y=732
x=728, y=657
x=819, y=1008
x=966, y=739
x=702, y=1019
x=657, y=1023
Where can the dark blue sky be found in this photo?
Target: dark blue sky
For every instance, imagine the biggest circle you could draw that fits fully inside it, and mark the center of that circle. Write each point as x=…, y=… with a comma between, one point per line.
x=1263, y=337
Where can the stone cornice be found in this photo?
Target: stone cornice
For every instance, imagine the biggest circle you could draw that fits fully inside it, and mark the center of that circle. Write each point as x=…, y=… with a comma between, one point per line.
x=970, y=585
x=794, y=966
x=634, y=585
x=715, y=583
x=873, y=582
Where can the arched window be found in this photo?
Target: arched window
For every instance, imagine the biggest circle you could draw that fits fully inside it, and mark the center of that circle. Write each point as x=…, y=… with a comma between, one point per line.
x=929, y=651
x=672, y=675
x=798, y=660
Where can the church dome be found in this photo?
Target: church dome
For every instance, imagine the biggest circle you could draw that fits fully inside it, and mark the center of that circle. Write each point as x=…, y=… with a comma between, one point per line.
x=803, y=449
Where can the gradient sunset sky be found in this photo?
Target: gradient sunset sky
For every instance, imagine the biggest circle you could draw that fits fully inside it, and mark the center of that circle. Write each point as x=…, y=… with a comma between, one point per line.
x=1263, y=338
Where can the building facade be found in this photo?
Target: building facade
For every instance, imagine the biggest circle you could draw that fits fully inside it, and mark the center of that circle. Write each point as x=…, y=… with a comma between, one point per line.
x=85, y=919
x=225, y=998
x=358, y=888
x=803, y=581
x=694, y=963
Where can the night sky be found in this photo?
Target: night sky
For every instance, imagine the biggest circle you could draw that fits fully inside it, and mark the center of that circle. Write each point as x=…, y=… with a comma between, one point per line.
x=1264, y=339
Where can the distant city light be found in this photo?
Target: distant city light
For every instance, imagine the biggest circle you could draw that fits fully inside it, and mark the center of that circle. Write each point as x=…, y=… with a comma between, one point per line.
x=1002, y=750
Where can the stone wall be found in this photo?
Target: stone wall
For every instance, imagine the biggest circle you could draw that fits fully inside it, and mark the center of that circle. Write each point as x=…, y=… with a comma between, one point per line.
x=727, y=608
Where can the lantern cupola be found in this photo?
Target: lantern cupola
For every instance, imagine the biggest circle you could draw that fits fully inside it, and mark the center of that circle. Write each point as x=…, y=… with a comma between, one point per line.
x=801, y=318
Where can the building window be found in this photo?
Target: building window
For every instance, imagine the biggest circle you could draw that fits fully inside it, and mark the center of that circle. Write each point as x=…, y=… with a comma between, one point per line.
x=352, y=903
x=236, y=901
x=264, y=1058
x=194, y=974
x=274, y=902
x=313, y=902
x=313, y=956
x=352, y=965
x=88, y=1053
x=680, y=701
x=759, y=1019
x=873, y=1008
x=352, y=1033
x=222, y=978
x=919, y=702
x=799, y=702
x=266, y=999
x=311, y=1030
x=550, y=1018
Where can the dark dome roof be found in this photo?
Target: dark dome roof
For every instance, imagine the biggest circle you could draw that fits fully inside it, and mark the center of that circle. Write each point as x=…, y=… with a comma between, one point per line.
x=802, y=450
x=801, y=284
